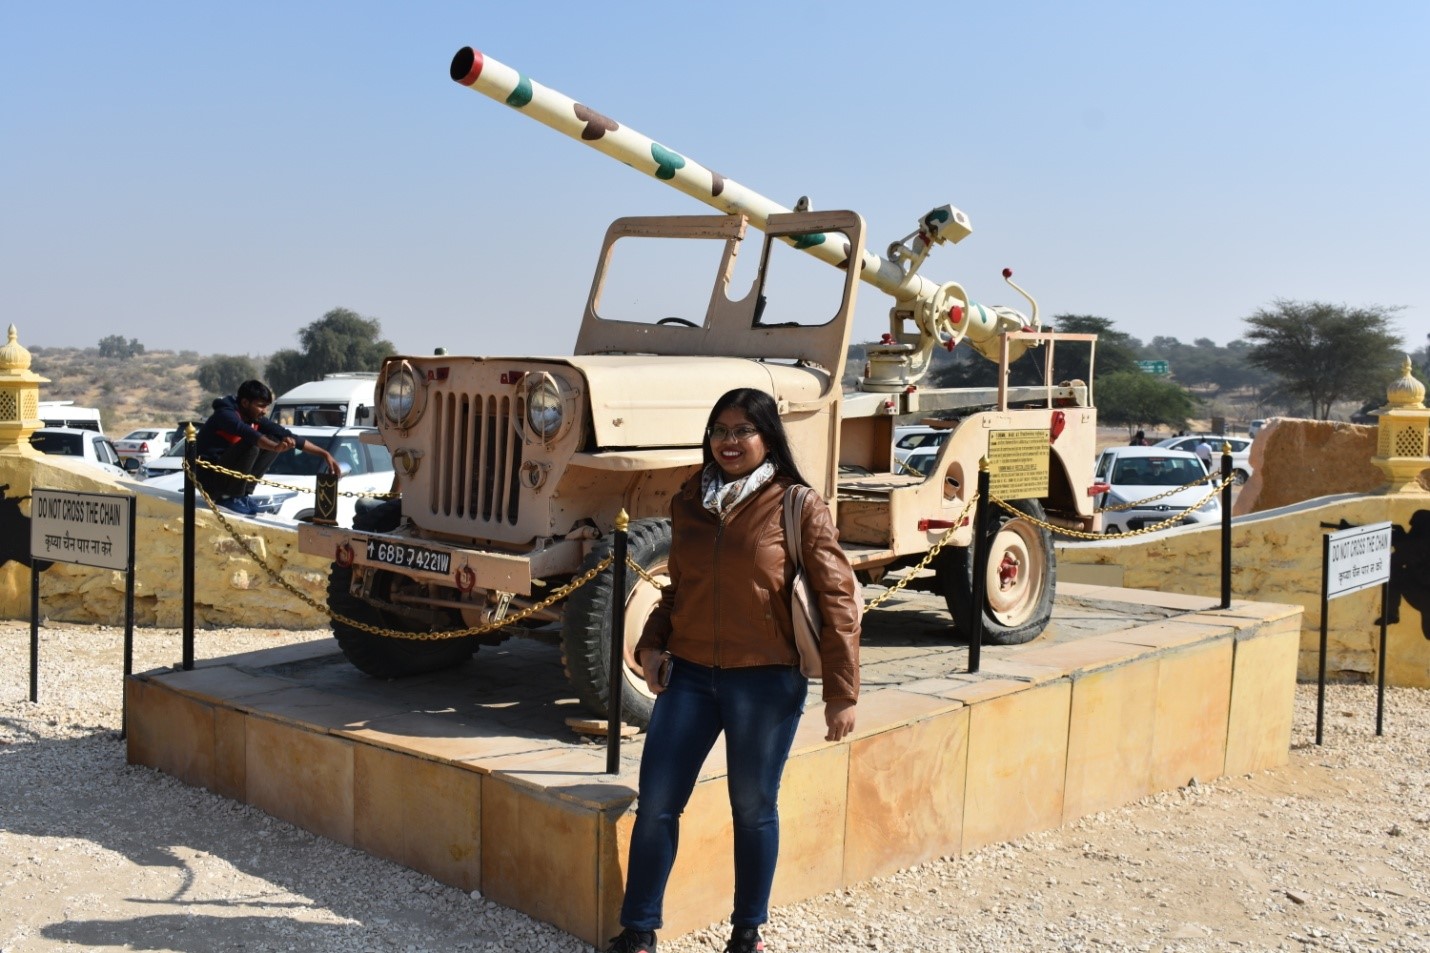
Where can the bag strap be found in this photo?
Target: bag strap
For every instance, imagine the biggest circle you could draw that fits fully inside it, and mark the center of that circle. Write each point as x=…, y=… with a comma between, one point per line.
x=794, y=506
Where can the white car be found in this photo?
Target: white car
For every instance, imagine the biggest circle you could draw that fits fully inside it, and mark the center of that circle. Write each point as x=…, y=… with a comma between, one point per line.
x=1240, y=452
x=366, y=469
x=909, y=439
x=138, y=447
x=919, y=460
x=83, y=445
x=1127, y=476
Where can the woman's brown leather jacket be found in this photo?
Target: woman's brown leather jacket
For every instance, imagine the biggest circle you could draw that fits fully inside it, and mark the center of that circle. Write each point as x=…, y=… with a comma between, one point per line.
x=727, y=603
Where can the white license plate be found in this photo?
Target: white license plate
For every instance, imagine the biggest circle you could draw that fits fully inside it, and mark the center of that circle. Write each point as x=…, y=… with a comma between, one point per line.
x=408, y=557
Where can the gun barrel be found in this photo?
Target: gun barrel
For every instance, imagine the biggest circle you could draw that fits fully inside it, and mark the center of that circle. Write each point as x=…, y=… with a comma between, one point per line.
x=498, y=81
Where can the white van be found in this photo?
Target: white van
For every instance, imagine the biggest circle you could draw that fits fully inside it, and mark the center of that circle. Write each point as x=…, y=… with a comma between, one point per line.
x=63, y=413
x=344, y=399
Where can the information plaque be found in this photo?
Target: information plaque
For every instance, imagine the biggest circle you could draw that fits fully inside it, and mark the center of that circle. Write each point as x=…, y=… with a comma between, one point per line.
x=1018, y=464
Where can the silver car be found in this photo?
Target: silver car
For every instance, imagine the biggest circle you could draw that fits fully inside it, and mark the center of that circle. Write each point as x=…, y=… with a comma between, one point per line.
x=1136, y=488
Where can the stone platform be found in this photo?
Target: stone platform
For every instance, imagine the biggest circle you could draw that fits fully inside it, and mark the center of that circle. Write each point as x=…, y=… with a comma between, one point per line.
x=473, y=777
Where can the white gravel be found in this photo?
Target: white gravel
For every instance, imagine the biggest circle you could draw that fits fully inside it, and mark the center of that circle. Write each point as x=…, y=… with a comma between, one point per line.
x=1327, y=853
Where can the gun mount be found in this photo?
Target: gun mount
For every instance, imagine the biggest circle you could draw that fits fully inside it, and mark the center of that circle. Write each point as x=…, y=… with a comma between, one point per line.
x=940, y=314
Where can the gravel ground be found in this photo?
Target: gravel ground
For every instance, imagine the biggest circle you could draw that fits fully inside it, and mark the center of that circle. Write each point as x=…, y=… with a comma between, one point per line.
x=1327, y=853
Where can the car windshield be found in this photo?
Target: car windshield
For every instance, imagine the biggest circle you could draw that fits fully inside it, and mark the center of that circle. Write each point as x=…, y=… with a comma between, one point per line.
x=60, y=444
x=1156, y=471
x=310, y=415
x=346, y=450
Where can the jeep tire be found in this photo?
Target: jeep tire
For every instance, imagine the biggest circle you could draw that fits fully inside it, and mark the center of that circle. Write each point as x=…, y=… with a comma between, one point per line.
x=586, y=626
x=1020, y=583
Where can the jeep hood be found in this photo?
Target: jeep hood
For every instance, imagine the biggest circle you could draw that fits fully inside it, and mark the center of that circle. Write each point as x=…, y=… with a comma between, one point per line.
x=657, y=401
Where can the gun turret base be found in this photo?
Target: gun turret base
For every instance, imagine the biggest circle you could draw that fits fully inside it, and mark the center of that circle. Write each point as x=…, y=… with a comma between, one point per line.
x=890, y=369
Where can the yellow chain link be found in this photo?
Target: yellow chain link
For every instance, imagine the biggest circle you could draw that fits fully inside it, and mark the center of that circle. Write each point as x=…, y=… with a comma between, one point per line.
x=1079, y=534
x=1151, y=499
x=481, y=629
x=239, y=474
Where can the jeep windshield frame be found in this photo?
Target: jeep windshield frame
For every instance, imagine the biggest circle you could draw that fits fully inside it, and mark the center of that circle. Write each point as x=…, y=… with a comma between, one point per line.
x=733, y=327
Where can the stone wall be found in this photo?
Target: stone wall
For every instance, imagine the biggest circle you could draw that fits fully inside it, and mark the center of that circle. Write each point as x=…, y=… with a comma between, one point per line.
x=1276, y=549
x=231, y=588
x=1295, y=460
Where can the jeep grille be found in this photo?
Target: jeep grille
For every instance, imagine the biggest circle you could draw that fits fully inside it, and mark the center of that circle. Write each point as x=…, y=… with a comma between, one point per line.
x=478, y=455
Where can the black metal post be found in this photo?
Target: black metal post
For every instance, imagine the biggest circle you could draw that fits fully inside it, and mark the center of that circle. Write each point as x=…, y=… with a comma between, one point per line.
x=1325, y=611
x=1226, y=526
x=34, y=630
x=190, y=462
x=618, y=645
x=128, y=630
x=979, y=582
x=1380, y=679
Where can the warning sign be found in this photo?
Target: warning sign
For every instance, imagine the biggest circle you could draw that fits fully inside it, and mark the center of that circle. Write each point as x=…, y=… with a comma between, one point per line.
x=91, y=529
x=1018, y=464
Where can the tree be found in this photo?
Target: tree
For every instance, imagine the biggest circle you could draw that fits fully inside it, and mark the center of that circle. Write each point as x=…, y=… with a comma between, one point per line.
x=115, y=346
x=1137, y=399
x=1116, y=350
x=223, y=373
x=341, y=340
x=1322, y=353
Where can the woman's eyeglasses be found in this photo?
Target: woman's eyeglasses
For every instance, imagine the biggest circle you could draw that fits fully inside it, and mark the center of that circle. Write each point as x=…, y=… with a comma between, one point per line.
x=718, y=432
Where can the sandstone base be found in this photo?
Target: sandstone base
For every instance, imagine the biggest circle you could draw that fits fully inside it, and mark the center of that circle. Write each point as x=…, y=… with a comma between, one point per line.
x=472, y=776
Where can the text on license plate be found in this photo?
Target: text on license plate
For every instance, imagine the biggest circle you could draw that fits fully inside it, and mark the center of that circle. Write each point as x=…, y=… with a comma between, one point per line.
x=408, y=557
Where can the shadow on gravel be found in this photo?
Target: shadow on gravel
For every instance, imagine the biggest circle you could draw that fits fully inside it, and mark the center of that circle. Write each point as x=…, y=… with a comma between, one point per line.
x=78, y=803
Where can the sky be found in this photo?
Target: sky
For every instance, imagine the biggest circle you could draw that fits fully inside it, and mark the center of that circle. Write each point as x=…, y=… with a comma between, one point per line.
x=216, y=176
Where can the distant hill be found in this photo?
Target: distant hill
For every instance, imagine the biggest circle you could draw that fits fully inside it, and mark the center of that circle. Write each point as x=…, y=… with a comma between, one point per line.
x=156, y=387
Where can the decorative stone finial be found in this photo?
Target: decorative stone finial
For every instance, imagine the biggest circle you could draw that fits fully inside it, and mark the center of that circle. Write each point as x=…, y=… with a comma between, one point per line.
x=13, y=355
x=1406, y=391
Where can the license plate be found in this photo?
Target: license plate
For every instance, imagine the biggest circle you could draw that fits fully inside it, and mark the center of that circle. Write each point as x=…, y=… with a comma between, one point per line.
x=408, y=557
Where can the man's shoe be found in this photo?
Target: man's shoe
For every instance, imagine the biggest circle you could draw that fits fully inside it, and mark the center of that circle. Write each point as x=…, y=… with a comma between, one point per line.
x=633, y=941
x=745, y=940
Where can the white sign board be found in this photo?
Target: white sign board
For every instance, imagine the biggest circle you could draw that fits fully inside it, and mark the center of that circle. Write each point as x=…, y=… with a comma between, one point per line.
x=91, y=529
x=1357, y=558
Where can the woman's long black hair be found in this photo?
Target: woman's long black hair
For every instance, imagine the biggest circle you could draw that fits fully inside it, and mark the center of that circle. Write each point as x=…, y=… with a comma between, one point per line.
x=764, y=414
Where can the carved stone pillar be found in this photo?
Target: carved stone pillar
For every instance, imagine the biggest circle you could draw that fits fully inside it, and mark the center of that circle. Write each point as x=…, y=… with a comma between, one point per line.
x=19, y=399
x=1403, y=440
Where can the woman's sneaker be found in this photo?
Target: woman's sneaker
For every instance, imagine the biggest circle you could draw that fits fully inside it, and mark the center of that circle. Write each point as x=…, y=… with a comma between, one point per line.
x=634, y=941
x=745, y=940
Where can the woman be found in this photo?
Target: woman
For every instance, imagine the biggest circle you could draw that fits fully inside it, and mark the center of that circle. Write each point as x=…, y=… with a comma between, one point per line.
x=719, y=654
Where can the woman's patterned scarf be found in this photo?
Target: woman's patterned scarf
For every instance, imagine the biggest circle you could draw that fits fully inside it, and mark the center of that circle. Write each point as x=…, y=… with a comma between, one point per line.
x=721, y=497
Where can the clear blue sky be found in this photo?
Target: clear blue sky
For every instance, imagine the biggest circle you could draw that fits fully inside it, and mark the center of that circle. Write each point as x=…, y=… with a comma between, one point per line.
x=216, y=176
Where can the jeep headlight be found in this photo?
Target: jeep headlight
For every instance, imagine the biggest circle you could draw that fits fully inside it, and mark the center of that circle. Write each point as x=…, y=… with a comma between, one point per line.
x=545, y=412
x=399, y=396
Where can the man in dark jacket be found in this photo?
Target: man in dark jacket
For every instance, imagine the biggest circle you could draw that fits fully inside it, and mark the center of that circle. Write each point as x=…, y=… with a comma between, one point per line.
x=239, y=436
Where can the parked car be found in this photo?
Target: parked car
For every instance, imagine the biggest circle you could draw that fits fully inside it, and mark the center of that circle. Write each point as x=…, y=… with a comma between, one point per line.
x=1134, y=474
x=365, y=469
x=920, y=460
x=138, y=447
x=171, y=460
x=1255, y=427
x=1240, y=452
x=909, y=439
x=84, y=445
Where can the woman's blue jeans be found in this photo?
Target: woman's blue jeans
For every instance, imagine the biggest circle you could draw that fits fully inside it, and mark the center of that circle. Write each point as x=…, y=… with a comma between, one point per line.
x=758, y=709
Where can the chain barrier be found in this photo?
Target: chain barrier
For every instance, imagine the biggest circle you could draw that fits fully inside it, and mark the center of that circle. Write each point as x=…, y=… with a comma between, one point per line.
x=562, y=592
x=1151, y=499
x=1172, y=520
x=485, y=627
x=240, y=475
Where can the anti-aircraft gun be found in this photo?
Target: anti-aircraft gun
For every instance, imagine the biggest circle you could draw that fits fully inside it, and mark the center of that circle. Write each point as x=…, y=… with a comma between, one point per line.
x=513, y=470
